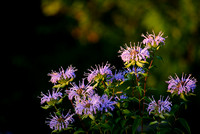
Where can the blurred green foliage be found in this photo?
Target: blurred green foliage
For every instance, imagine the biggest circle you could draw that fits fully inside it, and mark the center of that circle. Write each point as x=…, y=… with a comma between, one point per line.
x=109, y=24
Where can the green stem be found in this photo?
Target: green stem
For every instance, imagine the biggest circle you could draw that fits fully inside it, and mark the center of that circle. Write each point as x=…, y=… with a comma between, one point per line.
x=104, y=84
x=56, y=108
x=137, y=85
x=98, y=127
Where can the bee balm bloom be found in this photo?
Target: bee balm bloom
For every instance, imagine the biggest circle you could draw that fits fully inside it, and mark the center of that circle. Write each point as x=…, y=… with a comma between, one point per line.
x=134, y=54
x=51, y=97
x=183, y=85
x=77, y=91
x=99, y=71
x=60, y=122
x=151, y=40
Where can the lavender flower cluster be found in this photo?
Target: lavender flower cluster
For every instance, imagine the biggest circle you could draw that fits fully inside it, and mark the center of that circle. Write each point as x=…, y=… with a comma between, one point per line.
x=98, y=96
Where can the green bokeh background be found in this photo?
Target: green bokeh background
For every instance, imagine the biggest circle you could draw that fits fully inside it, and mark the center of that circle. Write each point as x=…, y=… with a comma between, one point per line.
x=43, y=35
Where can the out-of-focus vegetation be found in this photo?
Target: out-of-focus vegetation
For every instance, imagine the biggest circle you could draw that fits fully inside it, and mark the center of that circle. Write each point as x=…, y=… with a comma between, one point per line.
x=109, y=24
x=48, y=34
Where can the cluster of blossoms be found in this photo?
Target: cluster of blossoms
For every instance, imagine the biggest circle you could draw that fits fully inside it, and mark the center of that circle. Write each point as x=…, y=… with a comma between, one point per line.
x=87, y=102
x=160, y=107
x=95, y=98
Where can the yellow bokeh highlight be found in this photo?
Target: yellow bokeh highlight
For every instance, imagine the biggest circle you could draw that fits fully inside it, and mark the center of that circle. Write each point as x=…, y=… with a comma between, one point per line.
x=51, y=8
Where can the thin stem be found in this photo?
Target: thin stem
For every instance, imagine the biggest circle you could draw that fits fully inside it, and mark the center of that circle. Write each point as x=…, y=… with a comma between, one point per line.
x=98, y=127
x=104, y=84
x=145, y=82
x=56, y=108
x=139, y=97
x=137, y=85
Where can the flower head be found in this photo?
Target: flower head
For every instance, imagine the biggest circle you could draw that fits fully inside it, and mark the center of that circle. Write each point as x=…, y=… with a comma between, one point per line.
x=70, y=72
x=183, y=85
x=51, y=98
x=60, y=122
x=78, y=91
x=99, y=71
x=66, y=75
x=107, y=103
x=118, y=76
x=151, y=40
x=55, y=76
x=134, y=54
x=88, y=105
x=160, y=107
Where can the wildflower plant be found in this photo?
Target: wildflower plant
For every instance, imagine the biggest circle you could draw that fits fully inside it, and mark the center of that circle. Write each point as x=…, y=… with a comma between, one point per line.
x=115, y=101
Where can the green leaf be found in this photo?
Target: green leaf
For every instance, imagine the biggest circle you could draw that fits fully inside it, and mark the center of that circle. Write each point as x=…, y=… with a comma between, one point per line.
x=191, y=94
x=60, y=85
x=185, y=124
x=161, y=116
x=54, y=131
x=60, y=101
x=126, y=111
x=91, y=116
x=58, y=113
x=153, y=122
x=84, y=116
x=139, y=89
x=136, y=123
x=118, y=119
x=129, y=64
x=142, y=61
x=79, y=131
x=183, y=97
x=139, y=64
x=46, y=106
x=163, y=122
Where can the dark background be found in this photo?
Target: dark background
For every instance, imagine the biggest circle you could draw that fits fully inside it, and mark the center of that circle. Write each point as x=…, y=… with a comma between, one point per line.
x=42, y=35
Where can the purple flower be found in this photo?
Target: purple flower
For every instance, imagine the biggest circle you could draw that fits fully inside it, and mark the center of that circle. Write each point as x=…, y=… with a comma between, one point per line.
x=183, y=85
x=159, y=107
x=123, y=96
x=77, y=91
x=118, y=76
x=88, y=105
x=107, y=103
x=153, y=40
x=55, y=76
x=99, y=70
x=93, y=73
x=68, y=74
x=60, y=122
x=51, y=97
x=134, y=54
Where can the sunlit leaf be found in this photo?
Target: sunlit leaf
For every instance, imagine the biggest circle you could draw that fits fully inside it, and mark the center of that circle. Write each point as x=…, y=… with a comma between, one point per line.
x=153, y=122
x=46, y=106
